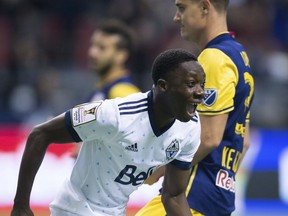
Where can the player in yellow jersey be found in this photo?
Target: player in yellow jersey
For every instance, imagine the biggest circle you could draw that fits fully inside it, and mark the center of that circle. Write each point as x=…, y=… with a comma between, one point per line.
x=110, y=49
x=224, y=113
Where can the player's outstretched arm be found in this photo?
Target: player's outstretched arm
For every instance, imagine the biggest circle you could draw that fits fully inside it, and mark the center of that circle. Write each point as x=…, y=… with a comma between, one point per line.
x=173, y=193
x=53, y=131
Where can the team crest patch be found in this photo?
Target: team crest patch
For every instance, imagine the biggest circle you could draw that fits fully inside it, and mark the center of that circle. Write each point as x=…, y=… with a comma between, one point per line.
x=210, y=97
x=85, y=113
x=172, y=149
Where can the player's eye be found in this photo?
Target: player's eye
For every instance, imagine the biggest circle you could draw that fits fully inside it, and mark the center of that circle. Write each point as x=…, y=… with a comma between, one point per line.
x=191, y=84
x=180, y=8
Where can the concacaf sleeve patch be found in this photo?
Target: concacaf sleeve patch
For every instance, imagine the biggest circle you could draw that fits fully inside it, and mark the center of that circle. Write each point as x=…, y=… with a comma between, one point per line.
x=84, y=113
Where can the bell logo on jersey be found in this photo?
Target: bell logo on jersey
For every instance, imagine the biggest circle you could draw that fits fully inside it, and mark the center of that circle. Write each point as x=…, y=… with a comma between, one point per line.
x=127, y=176
x=172, y=149
x=224, y=181
x=210, y=97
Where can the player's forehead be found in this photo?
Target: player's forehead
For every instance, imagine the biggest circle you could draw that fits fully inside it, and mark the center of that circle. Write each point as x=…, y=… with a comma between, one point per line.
x=188, y=70
x=193, y=69
x=104, y=37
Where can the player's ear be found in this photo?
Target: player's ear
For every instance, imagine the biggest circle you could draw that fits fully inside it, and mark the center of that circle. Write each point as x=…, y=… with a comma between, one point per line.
x=122, y=56
x=205, y=6
x=162, y=84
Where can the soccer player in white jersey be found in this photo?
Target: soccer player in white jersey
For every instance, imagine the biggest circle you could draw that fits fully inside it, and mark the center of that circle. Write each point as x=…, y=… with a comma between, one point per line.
x=125, y=141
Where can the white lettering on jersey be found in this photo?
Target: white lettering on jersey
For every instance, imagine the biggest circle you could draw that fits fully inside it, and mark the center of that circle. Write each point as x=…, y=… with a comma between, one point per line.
x=224, y=181
x=85, y=113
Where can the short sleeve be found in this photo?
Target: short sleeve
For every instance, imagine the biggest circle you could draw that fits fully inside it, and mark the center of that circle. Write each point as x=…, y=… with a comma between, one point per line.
x=190, y=145
x=221, y=81
x=95, y=120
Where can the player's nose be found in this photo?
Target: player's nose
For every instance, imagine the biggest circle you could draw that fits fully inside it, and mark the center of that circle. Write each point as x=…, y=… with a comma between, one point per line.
x=199, y=92
x=176, y=17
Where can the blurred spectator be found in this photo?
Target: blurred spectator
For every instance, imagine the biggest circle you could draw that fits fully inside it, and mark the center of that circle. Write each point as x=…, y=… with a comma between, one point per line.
x=38, y=37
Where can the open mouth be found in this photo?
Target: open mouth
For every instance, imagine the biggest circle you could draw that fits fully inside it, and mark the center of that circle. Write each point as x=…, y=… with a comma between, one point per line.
x=191, y=108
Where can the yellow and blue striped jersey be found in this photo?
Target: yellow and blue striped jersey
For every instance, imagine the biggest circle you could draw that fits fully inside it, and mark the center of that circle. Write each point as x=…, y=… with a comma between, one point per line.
x=229, y=89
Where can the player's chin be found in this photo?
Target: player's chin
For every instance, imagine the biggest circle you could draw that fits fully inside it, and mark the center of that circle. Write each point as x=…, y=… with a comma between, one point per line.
x=182, y=33
x=185, y=118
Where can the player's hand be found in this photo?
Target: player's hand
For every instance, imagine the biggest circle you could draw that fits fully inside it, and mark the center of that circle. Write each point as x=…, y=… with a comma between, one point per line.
x=155, y=176
x=20, y=211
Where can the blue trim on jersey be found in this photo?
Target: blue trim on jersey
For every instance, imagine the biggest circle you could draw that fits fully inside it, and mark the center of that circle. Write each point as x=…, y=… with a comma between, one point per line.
x=195, y=118
x=215, y=111
x=181, y=164
x=133, y=102
x=70, y=128
x=131, y=107
x=134, y=112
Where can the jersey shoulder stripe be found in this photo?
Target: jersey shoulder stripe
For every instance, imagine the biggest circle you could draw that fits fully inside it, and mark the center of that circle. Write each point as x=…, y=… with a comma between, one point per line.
x=133, y=112
x=132, y=102
x=133, y=107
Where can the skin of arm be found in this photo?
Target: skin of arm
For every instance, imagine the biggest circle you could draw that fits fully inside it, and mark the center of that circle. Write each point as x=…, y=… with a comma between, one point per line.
x=246, y=142
x=212, y=130
x=52, y=131
x=173, y=193
x=246, y=139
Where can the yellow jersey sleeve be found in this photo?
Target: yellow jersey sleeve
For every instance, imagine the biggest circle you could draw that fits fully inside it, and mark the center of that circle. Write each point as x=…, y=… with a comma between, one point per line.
x=122, y=90
x=221, y=81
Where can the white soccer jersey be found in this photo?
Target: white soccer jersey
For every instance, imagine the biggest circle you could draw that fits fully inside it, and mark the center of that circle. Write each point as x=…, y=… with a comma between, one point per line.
x=121, y=148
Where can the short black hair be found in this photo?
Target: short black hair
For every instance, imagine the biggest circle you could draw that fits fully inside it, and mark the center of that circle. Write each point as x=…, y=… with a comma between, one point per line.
x=117, y=27
x=168, y=60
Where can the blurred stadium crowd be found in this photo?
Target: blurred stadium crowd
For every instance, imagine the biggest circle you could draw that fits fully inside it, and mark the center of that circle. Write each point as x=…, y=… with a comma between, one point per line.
x=44, y=43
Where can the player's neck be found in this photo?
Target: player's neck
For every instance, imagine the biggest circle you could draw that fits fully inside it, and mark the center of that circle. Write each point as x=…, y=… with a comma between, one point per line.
x=215, y=28
x=162, y=118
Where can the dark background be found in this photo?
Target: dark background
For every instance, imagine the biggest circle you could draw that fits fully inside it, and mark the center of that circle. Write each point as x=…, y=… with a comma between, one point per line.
x=43, y=52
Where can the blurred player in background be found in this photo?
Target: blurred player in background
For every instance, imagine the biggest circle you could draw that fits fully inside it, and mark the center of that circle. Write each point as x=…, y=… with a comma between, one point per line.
x=224, y=113
x=110, y=50
x=124, y=141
